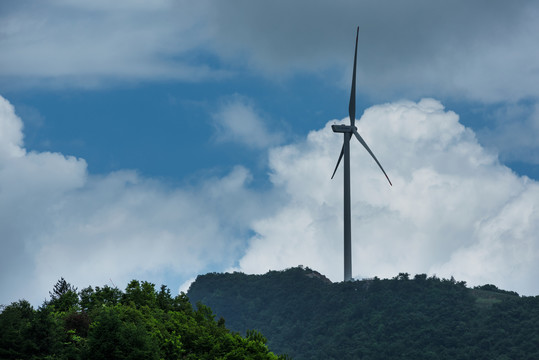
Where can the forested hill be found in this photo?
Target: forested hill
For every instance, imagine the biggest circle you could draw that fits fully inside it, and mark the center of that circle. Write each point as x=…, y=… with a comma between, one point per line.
x=106, y=323
x=304, y=315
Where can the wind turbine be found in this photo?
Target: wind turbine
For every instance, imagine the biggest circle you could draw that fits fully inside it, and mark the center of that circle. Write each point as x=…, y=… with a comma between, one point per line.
x=347, y=131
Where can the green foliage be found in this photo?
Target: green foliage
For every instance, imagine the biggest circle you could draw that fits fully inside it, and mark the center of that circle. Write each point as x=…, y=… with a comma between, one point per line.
x=64, y=297
x=91, y=299
x=493, y=288
x=15, y=322
x=106, y=323
x=408, y=317
x=120, y=332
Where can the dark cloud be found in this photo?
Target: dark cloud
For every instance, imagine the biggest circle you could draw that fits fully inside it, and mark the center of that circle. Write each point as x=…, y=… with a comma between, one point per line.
x=480, y=50
x=413, y=48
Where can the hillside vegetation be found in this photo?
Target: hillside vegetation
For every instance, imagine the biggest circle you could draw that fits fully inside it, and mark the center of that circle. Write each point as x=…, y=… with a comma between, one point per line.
x=306, y=316
x=106, y=323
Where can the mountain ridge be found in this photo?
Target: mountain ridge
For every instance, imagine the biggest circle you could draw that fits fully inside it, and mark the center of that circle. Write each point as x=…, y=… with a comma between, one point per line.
x=306, y=316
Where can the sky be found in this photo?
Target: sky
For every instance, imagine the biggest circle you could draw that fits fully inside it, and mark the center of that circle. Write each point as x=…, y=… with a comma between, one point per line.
x=166, y=139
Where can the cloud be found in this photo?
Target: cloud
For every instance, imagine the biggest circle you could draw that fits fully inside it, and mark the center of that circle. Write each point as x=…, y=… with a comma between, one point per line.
x=56, y=220
x=31, y=185
x=473, y=51
x=70, y=44
x=454, y=210
x=238, y=121
x=482, y=50
x=10, y=131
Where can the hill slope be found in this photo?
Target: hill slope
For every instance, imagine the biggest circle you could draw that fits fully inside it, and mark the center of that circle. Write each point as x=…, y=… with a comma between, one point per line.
x=306, y=316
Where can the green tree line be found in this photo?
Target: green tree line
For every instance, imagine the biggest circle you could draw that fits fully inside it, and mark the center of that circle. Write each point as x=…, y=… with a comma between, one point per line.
x=407, y=317
x=107, y=323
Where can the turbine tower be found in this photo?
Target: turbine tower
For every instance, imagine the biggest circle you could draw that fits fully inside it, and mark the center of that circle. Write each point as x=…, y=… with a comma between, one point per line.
x=347, y=131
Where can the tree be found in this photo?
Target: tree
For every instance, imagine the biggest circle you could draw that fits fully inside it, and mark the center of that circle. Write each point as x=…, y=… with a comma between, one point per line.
x=102, y=296
x=63, y=296
x=140, y=294
x=106, y=323
x=117, y=333
x=15, y=322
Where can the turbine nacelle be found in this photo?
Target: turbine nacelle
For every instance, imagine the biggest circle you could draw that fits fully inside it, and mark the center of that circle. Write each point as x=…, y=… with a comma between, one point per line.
x=344, y=128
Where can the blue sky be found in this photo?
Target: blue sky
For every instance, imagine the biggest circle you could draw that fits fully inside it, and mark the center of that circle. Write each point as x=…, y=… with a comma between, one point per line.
x=161, y=140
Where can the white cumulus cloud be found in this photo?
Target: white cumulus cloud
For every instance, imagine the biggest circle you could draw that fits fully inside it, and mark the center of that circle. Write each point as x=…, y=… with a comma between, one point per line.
x=56, y=220
x=238, y=121
x=453, y=209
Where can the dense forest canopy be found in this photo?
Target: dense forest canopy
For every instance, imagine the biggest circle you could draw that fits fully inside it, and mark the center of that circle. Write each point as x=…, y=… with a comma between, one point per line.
x=106, y=323
x=299, y=311
x=306, y=316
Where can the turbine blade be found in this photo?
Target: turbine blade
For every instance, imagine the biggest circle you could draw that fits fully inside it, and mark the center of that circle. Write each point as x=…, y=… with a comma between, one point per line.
x=338, y=161
x=360, y=139
x=352, y=104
